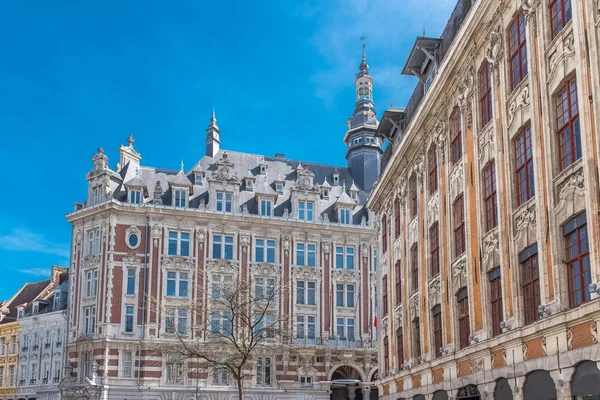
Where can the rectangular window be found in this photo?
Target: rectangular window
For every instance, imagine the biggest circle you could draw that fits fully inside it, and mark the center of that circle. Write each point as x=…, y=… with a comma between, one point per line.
x=432, y=167
x=386, y=354
x=306, y=381
x=339, y=295
x=485, y=93
x=1, y=376
x=265, y=251
x=399, y=347
x=180, y=198
x=306, y=254
x=93, y=244
x=221, y=285
x=173, y=317
x=224, y=201
x=560, y=15
x=434, y=249
x=264, y=288
x=11, y=375
x=222, y=247
x=530, y=284
x=305, y=210
x=127, y=364
x=397, y=220
x=97, y=195
x=182, y=321
x=567, y=116
x=91, y=283
x=89, y=320
x=458, y=216
x=135, y=197
x=344, y=257
x=263, y=371
x=524, y=166
x=398, y=279
x=300, y=292
x=417, y=337
x=578, y=260
x=456, y=138
x=129, y=319
x=174, y=373
x=56, y=373
x=179, y=244
x=489, y=192
x=300, y=327
x=496, y=300
x=3, y=347
x=306, y=293
x=345, y=216
x=384, y=234
x=384, y=296
x=414, y=267
x=517, y=50
x=344, y=295
x=463, y=318
x=177, y=284
x=266, y=208
x=220, y=377
x=131, y=272
x=13, y=345
x=437, y=330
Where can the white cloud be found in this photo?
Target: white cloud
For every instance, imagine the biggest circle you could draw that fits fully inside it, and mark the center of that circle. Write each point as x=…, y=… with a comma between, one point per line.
x=23, y=240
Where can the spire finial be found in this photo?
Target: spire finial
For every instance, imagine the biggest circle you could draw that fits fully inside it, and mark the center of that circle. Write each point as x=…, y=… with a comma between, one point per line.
x=364, y=47
x=130, y=140
x=213, y=118
x=181, y=166
x=137, y=171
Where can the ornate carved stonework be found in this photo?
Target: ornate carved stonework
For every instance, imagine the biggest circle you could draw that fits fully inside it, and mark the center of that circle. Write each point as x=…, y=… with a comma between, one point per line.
x=494, y=51
x=413, y=231
x=486, y=143
x=364, y=249
x=594, y=330
x=131, y=260
x=559, y=53
x=225, y=171
x=529, y=8
x=465, y=88
x=306, y=273
x=177, y=262
x=459, y=274
x=265, y=269
x=398, y=316
x=435, y=291
x=346, y=275
x=244, y=240
x=520, y=101
x=569, y=339
x=433, y=208
x=476, y=365
x=90, y=261
x=414, y=305
x=200, y=237
x=419, y=166
x=286, y=243
x=222, y=266
x=575, y=182
x=491, y=246
x=457, y=180
x=525, y=219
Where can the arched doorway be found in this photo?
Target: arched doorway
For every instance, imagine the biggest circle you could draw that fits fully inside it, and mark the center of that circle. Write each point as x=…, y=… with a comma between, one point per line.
x=469, y=392
x=440, y=395
x=539, y=385
x=585, y=384
x=503, y=390
x=349, y=378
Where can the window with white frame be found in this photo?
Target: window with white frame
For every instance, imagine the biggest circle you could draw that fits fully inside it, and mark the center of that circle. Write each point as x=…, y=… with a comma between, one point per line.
x=97, y=195
x=131, y=272
x=222, y=247
x=305, y=210
x=220, y=377
x=221, y=285
x=23, y=373
x=306, y=292
x=264, y=251
x=13, y=345
x=11, y=375
x=176, y=321
x=175, y=373
x=263, y=371
x=177, y=283
x=56, y=373
x=45, y=371
x=93, y=242
x=345, y=329
x=264, y=324
x=221, y=323
x=56, y=305
x=224, y=200
x=279, y=187
x=2, y=375
x=135, y=196
x=344, y=295
x=179, y=244
x=91, y=283
x=345, y=216
x=127, y=370
x=89, y=320
x=325, y=193
x=344, y=257
x=198, y=179
x=306, y=254
x=129, y=310
x=180, y=198
x=306, y=326
x=33, y=374
x=264, y=288
x=266, y=208
x=2, y=347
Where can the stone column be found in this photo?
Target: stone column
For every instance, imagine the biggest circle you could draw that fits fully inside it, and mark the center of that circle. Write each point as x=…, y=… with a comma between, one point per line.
x=366, y=392
x=563, y=386
x=351, y=392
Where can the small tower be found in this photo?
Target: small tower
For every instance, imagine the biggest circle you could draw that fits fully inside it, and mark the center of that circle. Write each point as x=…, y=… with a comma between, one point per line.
x=364, y=149
x=213, y=141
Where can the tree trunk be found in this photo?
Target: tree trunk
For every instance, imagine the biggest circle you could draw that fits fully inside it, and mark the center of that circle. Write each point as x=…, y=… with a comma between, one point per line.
x=240, y=389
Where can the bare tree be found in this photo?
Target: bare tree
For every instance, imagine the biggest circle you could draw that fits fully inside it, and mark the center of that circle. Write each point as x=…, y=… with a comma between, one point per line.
x=235, y=319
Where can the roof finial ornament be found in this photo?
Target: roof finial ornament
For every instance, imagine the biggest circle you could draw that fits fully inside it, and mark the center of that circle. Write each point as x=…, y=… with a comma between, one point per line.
x=213, y=118
x=364, y=47
x=181, y=166
x=130, y=140
x=137, y=171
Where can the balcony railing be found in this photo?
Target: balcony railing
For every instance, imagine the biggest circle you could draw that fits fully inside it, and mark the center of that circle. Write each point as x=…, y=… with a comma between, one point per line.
x=46, y=345
x=44, y=380
x=336, y=342
x=21, y=382
x=32, y=381
x=35, y=347
x=56, y=379
x=24, y=348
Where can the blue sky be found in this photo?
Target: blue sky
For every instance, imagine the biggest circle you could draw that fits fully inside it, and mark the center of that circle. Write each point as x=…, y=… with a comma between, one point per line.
x=75, y=76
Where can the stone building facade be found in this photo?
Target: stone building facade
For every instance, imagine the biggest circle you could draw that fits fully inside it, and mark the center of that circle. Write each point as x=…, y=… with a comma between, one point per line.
x=487, y=208
x=147, y=233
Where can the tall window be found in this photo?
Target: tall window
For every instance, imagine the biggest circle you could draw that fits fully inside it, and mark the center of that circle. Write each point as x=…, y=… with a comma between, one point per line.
x=305, y=210
x=464, y=329
x=524, y=166
x=127, y=370
x=397, y=217
x=456, y=138
x=345, y=216
x=306, y=326
x=344, y=295
x=489, y=192
x=97, y=195
x=221, y=285
x=567, y=115
x=131, y=281
x=135, y=196
x=399, y=347
x=180, y=198
x=485, y=93
x=414, y=267
x=517, y=49
x=560, y=15
x=496, y=300
x=434, y=248
x=93, y=242
x=1, y=376
x=306, y=293
x=437, y=330
x=345, y=329
x=264, y=288
x=265, y=251
x=177, y=283
x=306, y=254
x=129, y=319
x=11, y=375
x=578, y=260
x=417, y=337
x=174, y=372
x=179, y=244
x=224, y=201
x=176, y=321
x=432, y=165
x=384, y=296
x=384, y=234
x=89, y=320
x=458, y=216
x=412, y=188
x=344, y=257
x=263, y=371
x=91, y=283
x=222, y=247
x=530, y=283
x=386, y=354
x=398, y=279
x=220, y=377
x=266, y=208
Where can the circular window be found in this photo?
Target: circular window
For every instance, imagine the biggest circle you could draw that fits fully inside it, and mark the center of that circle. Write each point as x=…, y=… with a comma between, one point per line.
x=133, y=240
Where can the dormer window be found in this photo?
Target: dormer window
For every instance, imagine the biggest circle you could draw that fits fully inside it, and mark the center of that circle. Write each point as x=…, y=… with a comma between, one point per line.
x=354, y=195
x=305, y=210
x=224, y=201
x=325, y=193
x=56, y=305
x=344, y=216
x=263, y=169
x=266, y=208
x=197, y=178
x=180, y=198
x=336, y=179
x=249, y=184
x=20, y=313
x=97, y=195
x=279, y=187
x=135, y=197
x=36, y=308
